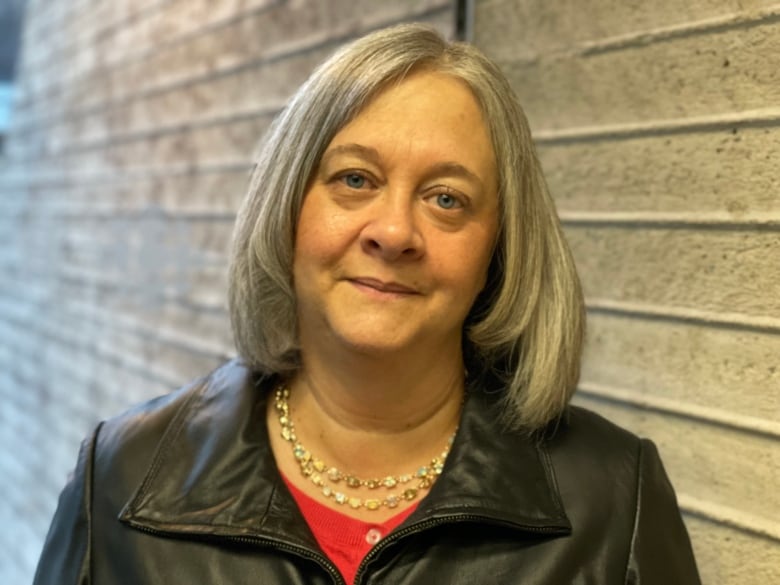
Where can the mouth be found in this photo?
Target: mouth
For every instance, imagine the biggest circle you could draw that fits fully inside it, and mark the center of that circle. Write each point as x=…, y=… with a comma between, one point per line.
x=383, y=287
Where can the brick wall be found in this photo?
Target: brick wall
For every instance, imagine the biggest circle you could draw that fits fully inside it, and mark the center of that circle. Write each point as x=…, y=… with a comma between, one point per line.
x=129, y=152
x=659, y=128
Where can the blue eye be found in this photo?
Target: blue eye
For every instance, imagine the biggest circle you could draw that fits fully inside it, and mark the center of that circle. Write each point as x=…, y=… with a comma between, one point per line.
x=446, y=201
x=354, y=181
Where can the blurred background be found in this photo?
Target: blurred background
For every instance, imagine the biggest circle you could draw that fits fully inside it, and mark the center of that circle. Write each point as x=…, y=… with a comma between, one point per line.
x=11, y=12
x=128, y=128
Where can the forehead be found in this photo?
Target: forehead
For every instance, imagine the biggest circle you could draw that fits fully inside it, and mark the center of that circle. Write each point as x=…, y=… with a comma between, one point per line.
x=426, y=114
x=440, y=95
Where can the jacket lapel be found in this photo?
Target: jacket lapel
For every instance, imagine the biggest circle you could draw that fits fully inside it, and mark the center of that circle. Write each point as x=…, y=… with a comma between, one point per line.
x=214, y=473
x=497, y=475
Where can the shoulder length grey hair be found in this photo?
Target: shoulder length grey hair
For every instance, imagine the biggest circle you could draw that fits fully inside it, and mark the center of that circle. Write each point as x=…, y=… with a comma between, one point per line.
x=525, y=330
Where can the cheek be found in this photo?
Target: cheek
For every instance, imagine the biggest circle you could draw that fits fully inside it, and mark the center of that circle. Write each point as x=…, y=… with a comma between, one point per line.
x=479, y=253
x=465, y=266
x=314, y=231
x=478, y=272
x=322, y=241
x=321, y=217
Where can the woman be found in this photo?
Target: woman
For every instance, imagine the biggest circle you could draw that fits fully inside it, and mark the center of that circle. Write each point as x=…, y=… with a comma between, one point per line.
x=410, y=326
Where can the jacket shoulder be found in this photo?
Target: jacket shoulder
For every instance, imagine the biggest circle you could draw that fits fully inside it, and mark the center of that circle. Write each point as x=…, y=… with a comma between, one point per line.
x=126, y=445
x=600, y=470
x=110, y=467
x=590, y=452
x=152, y=417
x=616, y=492
x=591, y=430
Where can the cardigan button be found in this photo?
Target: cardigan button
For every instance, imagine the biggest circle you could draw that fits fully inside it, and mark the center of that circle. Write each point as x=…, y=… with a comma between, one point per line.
x=373, y=536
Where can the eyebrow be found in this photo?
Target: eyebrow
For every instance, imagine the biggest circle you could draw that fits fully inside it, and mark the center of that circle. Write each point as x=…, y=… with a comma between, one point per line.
x=448, y=168
x=366, y=152
x=453, y=169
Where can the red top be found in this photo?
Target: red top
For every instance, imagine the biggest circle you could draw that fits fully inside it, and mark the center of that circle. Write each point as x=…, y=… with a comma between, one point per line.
x=343, y=539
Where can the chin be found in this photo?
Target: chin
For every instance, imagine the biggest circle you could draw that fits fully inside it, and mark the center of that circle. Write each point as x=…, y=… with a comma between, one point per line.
x=373, y=339
x=372, y=345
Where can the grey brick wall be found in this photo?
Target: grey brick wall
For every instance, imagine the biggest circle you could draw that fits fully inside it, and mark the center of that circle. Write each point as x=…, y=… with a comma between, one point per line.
x=659, y=129
x=128, y=154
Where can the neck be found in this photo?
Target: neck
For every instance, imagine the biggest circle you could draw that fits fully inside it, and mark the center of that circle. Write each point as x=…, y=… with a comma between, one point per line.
x=386, y=393
x=377, y=415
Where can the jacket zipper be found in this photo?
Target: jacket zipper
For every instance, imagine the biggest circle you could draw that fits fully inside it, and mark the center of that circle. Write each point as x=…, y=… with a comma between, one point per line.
x=426, y=524
x=254, y=540
x=392, y=538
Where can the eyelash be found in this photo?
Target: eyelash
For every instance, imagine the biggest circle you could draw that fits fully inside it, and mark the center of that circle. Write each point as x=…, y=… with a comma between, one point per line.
x=343, y=177
x=456, y=198
x=459, y=200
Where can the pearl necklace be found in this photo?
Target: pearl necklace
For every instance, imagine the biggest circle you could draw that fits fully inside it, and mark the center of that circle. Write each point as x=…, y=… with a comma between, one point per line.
x=323, y=476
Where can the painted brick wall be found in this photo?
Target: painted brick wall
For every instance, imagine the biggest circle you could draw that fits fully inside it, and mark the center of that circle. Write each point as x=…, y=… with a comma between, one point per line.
x=659, y=128
x=129, y=152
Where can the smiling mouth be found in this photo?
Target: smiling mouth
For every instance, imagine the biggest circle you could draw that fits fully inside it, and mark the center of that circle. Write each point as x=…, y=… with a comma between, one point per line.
x=384, y=287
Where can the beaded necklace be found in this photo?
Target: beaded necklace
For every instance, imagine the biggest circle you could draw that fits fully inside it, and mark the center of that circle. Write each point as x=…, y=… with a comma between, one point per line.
x=329, y=479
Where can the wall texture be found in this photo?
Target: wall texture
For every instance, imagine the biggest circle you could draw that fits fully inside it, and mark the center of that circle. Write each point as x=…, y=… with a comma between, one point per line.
x=659, y=128
x=129, y=152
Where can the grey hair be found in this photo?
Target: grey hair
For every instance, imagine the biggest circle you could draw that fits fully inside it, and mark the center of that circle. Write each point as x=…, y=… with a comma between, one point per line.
x=525, y=330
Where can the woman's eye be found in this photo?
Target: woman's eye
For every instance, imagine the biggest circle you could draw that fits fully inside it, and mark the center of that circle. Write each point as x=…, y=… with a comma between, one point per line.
x=354, y=181
x=447, y=201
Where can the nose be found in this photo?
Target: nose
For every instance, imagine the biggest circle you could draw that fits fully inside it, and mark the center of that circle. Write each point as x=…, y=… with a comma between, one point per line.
x=392, y=231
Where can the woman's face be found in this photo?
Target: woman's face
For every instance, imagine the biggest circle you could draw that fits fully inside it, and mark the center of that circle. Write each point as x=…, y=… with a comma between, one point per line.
x=398, y=224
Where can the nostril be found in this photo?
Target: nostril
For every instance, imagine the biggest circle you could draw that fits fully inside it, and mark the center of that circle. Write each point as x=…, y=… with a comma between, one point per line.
x=391, y=236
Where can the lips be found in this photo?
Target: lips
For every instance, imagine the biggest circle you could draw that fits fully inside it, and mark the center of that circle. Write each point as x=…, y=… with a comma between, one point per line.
x=382, y=286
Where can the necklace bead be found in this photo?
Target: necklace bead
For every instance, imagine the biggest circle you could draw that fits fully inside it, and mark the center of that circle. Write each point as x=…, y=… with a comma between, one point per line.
x=319, y=473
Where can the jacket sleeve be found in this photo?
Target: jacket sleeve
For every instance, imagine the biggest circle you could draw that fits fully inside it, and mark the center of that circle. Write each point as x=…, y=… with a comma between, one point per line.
x=66, y=552
x=661, y=552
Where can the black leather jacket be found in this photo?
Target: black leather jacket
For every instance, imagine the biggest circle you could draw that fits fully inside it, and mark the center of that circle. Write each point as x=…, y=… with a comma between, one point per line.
x=184, y=489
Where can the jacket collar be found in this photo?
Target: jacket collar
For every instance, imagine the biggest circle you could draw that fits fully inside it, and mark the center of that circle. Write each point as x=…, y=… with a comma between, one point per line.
x=214, y=472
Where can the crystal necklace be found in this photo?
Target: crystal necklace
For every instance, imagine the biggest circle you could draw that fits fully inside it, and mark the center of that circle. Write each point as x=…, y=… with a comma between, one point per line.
x=331, y=480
